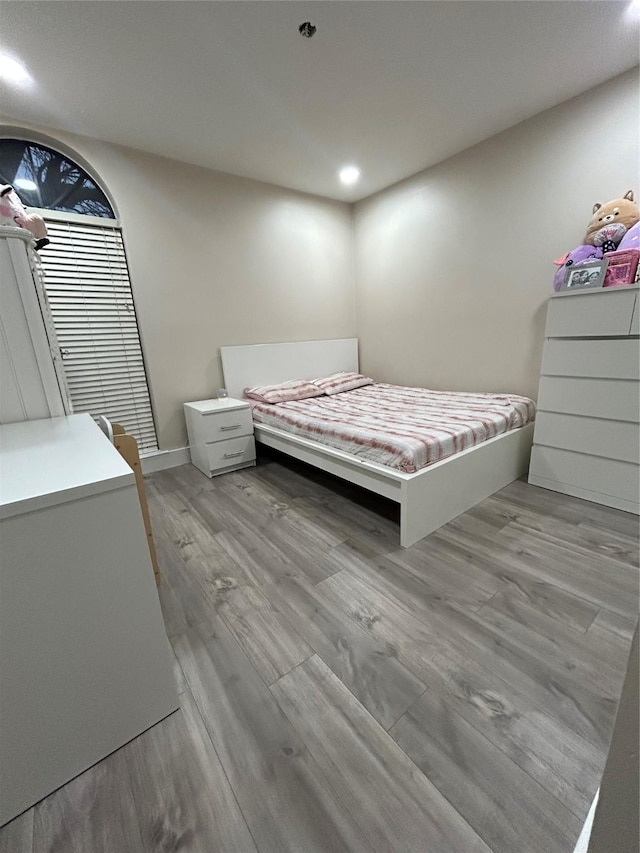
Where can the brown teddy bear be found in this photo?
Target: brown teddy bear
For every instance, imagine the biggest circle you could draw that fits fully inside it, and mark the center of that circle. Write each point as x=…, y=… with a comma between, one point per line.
x=611, y=221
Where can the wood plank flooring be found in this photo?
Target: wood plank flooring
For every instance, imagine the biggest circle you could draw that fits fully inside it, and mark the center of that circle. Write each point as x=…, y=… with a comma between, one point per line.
x=339, y=693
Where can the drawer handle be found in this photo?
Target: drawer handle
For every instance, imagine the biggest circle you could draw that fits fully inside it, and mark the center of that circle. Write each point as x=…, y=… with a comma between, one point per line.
x=231, y=455
x=227, y=428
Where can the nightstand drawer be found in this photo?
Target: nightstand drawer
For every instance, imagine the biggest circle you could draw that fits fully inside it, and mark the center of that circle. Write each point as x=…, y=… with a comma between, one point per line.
x=235, y=451
x=219, y=426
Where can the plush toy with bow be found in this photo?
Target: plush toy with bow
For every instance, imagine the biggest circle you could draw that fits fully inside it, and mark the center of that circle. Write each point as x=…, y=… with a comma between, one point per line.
x=571, y=259
x=611, y=221
x=612, y=226
x=12, y=212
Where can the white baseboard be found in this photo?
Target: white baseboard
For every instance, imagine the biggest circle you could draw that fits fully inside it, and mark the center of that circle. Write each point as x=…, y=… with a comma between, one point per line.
x=159, y=460
x=585, y=835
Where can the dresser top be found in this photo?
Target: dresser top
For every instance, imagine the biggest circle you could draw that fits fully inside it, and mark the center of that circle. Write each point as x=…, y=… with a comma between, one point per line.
x=621, y=288
x=52, y=461
x=209, y=407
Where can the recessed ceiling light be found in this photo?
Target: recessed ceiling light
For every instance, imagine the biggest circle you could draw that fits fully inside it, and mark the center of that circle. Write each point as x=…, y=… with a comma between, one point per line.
x=349, y=175
x=13, y=71
x=25, y=184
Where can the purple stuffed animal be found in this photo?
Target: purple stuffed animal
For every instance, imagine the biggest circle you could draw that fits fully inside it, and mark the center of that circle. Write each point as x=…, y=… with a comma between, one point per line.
x=631, y=239
x=578, y=256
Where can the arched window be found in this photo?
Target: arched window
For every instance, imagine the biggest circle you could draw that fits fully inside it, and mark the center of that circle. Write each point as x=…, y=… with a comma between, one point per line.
x=46, y=179
x=86, y=280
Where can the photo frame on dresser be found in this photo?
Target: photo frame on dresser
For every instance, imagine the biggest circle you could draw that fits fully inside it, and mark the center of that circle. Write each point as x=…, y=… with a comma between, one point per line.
x=623, y=268
x=586, y=276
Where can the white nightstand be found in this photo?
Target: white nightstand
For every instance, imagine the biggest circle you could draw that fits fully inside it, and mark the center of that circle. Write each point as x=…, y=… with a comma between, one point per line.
x=220, y=435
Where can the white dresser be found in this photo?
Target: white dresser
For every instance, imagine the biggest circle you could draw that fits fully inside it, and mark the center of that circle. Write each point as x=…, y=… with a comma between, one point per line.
x=85, y=664
x=220, y=435
x=587, y=435
x=31, y=373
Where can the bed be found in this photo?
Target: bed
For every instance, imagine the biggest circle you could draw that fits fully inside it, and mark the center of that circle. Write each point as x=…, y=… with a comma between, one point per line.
x=428, y=496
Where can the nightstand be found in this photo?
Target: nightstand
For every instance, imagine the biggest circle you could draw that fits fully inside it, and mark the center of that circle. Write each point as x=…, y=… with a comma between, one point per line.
x=220, y=435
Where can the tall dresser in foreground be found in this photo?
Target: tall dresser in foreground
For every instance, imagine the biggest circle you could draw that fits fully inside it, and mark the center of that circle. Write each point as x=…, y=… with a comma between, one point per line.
x=587, y=436
x=32, y=380
x=85, y=664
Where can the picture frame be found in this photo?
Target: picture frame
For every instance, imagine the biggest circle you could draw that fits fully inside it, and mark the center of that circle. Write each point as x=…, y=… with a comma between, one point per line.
x=587, y=276
x=623, y=268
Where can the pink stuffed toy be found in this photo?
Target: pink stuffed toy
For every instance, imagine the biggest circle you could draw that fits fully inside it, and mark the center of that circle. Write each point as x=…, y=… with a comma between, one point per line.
x=614, y=225
x=12, y=212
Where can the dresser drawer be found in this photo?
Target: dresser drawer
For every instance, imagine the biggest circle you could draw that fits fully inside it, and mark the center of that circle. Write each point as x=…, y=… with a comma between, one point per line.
x=635, y=320
x=235, y=451
x=606, y=359
x=601, y=314
x=612, y=399
x=587, y=473
x=595, y=436
x=219, y=426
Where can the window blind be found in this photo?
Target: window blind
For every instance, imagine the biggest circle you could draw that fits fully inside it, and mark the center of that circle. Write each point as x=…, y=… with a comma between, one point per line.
x=86, y=280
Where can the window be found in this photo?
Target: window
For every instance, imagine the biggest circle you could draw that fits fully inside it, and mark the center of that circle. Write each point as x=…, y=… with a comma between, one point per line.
x=86, y=279
x=48, y=180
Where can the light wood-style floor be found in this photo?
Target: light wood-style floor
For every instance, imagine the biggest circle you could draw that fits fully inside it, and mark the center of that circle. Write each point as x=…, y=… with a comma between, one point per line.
x=339, y=693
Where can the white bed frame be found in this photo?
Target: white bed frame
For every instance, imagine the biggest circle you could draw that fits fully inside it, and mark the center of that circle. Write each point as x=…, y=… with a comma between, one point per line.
x=429, y=498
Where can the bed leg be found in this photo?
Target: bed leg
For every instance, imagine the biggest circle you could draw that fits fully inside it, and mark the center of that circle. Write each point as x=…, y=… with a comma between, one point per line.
x=415, y=522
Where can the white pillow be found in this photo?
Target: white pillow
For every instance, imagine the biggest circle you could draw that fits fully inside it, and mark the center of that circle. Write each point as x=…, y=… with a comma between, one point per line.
x=284, y=392
x=338, y=382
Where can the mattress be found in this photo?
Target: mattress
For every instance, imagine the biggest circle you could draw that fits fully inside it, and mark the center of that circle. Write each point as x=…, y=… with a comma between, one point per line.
x=402, y=428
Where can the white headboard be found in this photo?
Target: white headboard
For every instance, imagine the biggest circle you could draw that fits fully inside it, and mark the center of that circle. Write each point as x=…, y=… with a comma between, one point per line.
x=265, y=364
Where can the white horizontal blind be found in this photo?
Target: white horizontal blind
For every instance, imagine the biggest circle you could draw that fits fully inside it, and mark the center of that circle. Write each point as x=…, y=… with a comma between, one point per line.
x=87, y=284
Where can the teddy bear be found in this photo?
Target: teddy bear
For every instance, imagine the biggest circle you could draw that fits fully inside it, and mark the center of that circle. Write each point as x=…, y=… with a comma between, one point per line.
x=12, y=212
x=611, y=221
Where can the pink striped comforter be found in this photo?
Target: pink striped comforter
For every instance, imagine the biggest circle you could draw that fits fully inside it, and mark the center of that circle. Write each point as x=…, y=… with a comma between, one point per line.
x=403, y=428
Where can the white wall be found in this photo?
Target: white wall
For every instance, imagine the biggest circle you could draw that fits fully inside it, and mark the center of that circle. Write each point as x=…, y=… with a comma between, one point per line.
x=454, y=265
x=217, y=260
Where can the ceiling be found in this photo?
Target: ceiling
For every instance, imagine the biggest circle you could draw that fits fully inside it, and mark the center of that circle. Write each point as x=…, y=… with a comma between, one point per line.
x=391, y=86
